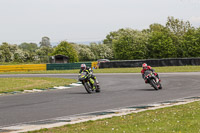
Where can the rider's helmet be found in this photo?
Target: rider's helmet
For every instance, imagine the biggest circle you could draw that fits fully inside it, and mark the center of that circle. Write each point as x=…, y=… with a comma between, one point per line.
x=144, y=66
x=83, y=66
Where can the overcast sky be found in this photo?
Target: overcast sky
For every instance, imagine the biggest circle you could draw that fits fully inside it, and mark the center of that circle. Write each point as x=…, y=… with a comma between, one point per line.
x=86, y=20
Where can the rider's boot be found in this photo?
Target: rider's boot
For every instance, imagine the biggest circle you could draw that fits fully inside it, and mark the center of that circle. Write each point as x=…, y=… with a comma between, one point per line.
x=96, y=80
x=97, y=84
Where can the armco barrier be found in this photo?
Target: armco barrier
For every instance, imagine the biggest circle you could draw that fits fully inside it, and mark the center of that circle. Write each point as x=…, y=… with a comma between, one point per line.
x=151, y=62
x=67, y=66
x=29, y=67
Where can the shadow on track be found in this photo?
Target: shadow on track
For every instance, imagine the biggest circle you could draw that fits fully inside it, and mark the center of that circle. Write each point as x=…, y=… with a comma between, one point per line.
x=145, y=90
x=78, y=93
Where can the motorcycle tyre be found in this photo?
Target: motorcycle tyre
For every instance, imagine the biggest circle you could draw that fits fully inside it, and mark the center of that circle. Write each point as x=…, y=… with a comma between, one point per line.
x=160, y=86
x=88, y=88
x=152, y=82
x=98, y=89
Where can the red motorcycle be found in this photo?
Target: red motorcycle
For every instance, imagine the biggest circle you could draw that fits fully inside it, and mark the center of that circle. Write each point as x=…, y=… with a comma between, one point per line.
x=152, y=80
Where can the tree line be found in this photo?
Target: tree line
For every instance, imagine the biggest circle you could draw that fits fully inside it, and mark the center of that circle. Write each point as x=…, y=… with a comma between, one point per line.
x=26, y=52
x=175, y=39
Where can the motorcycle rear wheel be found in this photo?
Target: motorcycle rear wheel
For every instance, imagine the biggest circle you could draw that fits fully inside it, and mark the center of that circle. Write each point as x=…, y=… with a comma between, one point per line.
x=98, y=89
x=160, y=86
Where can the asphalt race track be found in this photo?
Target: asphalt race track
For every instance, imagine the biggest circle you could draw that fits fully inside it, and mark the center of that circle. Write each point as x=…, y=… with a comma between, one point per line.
x=118, y=90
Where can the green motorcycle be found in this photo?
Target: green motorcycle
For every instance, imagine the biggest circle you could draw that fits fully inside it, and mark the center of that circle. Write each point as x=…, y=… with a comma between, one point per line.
x=87, y=82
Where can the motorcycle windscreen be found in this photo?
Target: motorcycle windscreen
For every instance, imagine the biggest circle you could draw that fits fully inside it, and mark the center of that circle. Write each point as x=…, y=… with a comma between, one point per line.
x=83, y=76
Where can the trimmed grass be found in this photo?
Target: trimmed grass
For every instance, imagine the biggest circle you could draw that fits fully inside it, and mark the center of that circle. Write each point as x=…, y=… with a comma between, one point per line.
x=157, y=69
x=19, y=84
x=117, y=70
x=178, y=119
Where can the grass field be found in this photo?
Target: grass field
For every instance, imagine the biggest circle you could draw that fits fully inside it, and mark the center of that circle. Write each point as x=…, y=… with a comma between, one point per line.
x=19, y=84
x=157, y=69
x=117, y=70
x=176, y=119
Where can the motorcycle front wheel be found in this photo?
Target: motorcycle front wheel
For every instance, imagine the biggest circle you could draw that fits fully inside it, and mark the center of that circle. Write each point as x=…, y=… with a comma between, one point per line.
x=98, y=89
x=153, y=83
x=88, y=87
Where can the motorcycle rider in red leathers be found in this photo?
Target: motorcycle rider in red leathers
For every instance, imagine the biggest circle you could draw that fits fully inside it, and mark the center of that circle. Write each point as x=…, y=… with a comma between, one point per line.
x=146, y=67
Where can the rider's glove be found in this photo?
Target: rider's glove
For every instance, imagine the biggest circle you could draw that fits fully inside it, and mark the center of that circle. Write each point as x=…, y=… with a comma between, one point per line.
x=90, y=73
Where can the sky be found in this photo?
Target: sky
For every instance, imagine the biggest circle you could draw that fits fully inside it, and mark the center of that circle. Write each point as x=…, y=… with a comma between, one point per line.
x=86, y=20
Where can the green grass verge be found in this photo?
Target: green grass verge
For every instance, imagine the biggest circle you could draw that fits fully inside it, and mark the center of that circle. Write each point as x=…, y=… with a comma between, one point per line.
x=157, y=69
x=117, y=70
x=178, y=119
x=19, y=84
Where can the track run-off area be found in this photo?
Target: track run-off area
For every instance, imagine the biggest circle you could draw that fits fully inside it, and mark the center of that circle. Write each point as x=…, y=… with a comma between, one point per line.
x=117, y=90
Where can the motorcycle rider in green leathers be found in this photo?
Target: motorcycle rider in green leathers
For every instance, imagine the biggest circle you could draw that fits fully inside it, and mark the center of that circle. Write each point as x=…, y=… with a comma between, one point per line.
x=89, y=71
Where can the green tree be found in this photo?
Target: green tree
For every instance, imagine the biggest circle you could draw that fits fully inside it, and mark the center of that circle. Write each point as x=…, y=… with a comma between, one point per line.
x=178, y=29
x=101, y=51
x=191, y=43
x=105, y=52
x=21, y=56
x=85, y=54
x=95, y=49
x=155, y=27
x=130, y=44
x=67, y=49
x=11, y=53
x=43, y=54
x=29, y=51
x=161, y=45
x=45, y=42
x=110, y=37
x=7, y=52
x=30, y=47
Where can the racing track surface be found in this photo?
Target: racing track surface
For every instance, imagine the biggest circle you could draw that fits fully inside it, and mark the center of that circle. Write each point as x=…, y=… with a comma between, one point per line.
x=118, y=90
